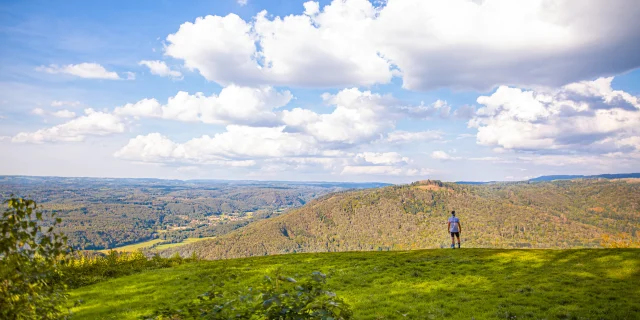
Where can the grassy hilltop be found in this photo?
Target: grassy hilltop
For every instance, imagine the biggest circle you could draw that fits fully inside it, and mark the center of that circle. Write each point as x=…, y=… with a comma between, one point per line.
x=562, y=214
x=424, y=284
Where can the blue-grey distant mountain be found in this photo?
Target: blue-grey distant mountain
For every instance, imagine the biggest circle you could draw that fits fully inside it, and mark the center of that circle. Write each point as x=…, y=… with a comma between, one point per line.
x=568, y=177
x=474, y=182
x=562, y=177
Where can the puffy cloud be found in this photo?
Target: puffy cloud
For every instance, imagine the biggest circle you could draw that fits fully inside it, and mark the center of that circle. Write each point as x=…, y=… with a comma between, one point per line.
x=491, y=159
x=142, y=108
x=319, y=48
x=311, y=8
x=430, y=44
x=82, y=70
x=303, y=141
x=481, y=44
x=64, y=114
x=588, y=116
x=57, y=114
x=384, y=158
x=271, y=150
x=58, y=103
x=92, y=123
x=385, y=170
x=160, y=68
x=358, y=117
x=314, y=165
x=220, y=48
x=401, y=136
x=234, y=105
x=441, y=155
x=439, y=109
x=237, y=143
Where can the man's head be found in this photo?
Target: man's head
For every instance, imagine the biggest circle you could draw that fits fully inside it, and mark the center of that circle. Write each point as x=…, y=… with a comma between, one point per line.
x=453, y=213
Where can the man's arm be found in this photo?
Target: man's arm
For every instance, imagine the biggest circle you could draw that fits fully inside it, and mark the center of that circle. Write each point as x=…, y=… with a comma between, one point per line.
x=459, y=226
x=448, y=226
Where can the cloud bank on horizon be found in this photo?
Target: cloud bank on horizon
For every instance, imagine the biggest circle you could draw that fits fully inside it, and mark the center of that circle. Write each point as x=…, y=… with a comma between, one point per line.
x=397, y=91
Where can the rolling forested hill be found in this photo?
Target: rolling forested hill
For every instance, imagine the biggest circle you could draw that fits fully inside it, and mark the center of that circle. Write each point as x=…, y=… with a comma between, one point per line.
x=100, y=213
x=560, y=214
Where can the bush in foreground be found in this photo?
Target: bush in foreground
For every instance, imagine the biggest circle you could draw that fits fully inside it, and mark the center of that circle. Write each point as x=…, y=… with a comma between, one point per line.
x=31, y=285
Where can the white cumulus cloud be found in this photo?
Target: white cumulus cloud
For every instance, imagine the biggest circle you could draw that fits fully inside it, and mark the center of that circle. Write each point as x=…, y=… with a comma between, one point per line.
x=60, y=103
x=385, y=170
x=82, y=70
x=63, y=114
x=234, y=105
x=439, y=109
x=401, y=136
x=358, y=117
x=57, y=114
x=430, y=44
x=314, y=49
x=441, y=155
x=92, y=123
x=588, y=116
x=160, y=68
x=383, y=158
x=237, y=143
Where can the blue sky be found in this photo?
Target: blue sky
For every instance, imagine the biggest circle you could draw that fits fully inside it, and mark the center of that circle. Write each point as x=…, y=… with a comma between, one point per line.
x=349, y=90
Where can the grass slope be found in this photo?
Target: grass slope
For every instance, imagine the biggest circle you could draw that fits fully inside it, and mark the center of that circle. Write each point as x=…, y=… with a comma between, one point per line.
x=133, y=247
x=183, y=242
x=424, y=284
x=153, y=244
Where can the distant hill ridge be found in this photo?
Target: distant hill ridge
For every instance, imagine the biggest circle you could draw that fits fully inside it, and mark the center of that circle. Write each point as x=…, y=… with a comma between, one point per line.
x=564, y=177
x=599, y=176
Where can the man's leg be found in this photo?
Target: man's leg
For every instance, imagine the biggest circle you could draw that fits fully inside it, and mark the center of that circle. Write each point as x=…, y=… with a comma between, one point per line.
x=453, y=244
x=458, y=236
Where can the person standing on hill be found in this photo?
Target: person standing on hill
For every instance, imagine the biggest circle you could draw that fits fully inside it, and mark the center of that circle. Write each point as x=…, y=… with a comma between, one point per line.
x=454, y=227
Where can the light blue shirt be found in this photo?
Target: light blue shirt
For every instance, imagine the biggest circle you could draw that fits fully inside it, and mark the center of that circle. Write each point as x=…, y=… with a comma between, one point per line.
x=455, y=222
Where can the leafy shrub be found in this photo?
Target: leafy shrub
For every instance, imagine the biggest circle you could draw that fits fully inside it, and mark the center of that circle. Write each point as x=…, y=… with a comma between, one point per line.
x=31, y=285
x=279, y=297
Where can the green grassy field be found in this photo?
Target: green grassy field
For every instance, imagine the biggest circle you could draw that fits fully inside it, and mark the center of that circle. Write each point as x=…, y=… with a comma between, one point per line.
x=150, y=243
x=185, y=241
x=425, y=284
x=134, y=247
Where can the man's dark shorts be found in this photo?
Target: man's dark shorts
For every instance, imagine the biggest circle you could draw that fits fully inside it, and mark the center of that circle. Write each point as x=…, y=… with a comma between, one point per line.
x=457, y=234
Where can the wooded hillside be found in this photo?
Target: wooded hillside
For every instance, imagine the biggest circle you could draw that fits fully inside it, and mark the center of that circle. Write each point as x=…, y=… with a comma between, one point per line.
x=107, y=213
x=561, y=214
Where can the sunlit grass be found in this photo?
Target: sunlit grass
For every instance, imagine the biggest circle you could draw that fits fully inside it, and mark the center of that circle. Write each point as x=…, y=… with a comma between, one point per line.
x=185, y=241
x=134, y=247
x=150, y=243
x=425, y=284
